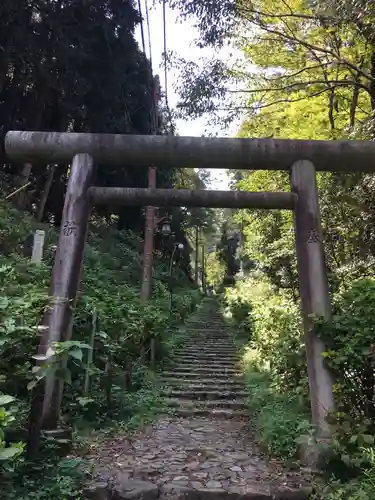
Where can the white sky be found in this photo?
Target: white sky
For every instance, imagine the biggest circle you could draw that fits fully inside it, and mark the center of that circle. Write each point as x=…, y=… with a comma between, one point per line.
x=180, y=39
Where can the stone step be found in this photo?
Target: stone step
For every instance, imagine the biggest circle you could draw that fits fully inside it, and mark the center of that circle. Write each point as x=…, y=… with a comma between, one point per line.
x=209, y=356
x=203, y=333
x=209, y=329
x=193, y=362
x=209, y=325
x=215, y=331
x=214, y=362
x=205, y=339
x=209, y=370
x=204, y=384
x=234, y=404
x=204, y=342
x=210, y=342
x=220, y=377
x=220, y=413
x=203, y=352
x=203, y=394
x=211, y=347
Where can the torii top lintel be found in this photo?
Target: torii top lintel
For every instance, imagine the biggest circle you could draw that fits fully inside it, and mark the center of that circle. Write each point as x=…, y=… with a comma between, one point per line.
x=201, y=152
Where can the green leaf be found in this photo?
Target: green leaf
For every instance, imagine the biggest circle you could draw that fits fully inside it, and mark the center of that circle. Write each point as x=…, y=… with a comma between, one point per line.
x=84, y=401
x=368, y=439
x=4, y=400
x=65, y=375
x=10, y=452
x=4, y=302
x=76, y=354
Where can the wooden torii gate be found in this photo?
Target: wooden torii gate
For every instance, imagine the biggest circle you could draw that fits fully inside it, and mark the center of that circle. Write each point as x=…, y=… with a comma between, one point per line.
x=300, y=158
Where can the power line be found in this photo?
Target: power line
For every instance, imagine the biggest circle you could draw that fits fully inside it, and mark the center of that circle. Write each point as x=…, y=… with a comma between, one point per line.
x=165, y=66
x=165, y=50
x=142, y=29
x=148, y=31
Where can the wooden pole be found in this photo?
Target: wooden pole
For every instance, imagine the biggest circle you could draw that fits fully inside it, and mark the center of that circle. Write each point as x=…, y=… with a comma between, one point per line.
x=148, y=257
x=140, y=151
x=65, y=277
x=203, y=270
x=148, y=254
x=197, y=254
x=313, y=289
x=149, y=241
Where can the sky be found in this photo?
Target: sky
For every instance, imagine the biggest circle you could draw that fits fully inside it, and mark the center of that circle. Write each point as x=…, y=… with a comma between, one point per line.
x=180, y=39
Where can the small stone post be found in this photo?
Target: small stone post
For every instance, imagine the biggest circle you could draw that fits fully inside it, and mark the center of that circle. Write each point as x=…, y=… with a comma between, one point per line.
x=313, y=289
x=38, y=245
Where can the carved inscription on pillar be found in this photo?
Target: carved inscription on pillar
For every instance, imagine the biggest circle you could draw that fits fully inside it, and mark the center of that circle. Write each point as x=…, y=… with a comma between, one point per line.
x=70, y=228
x=312, y=236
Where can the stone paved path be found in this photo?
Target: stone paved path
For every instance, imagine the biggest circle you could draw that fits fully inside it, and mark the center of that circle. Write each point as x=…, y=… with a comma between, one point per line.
x=206, y=450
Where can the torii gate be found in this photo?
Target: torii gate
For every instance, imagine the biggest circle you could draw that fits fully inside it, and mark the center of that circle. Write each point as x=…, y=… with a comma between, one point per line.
x=301, y=158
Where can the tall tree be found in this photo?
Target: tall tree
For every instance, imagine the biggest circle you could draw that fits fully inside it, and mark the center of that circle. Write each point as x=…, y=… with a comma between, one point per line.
x=293, y=50
x=74, y=66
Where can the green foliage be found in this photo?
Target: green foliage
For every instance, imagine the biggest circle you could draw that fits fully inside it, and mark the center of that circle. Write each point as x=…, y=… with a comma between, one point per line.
x=293, y=53
x=274, y=326
x=275, y=364
x=53, y=477
x=9, y=452
x=239, y=308
x=280, y=419
x=349, y=340
x=215, y=270
x=97, y=394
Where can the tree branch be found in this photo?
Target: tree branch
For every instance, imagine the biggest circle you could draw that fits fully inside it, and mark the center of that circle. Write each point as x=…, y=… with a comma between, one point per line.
x=279, y=16
x=330, y=83
x=292, y=75
x=318, y=49
x=279, y=101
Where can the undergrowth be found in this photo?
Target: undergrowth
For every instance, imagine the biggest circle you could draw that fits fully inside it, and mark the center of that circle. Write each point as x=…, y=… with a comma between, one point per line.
x=108, y=392
x=279, y=418
x=277, y=383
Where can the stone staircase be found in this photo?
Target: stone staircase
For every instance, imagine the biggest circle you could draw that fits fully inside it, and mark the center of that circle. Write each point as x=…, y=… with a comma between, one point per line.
x=205, y=379
x=206, y=450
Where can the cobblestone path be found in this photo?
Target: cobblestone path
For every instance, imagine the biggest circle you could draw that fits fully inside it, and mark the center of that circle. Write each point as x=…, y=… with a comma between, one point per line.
x=206, y=450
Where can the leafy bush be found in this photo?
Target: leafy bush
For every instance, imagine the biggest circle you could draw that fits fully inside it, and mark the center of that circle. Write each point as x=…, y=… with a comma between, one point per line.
x=349, y=340
x=9, y=452
x=97, y=389
x=277, y=381
x=275, y=326
x=239, y=309
x=280, y=419
x=275, y=365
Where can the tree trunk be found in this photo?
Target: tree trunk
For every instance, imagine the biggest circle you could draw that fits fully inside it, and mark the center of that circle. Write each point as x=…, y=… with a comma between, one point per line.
x=372, y=91
x=22, y=181
x=46, y=190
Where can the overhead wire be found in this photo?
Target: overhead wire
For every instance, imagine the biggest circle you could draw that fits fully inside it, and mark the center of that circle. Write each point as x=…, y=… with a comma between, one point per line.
x=142, y=28
x=148, y=32
x=166, y=66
